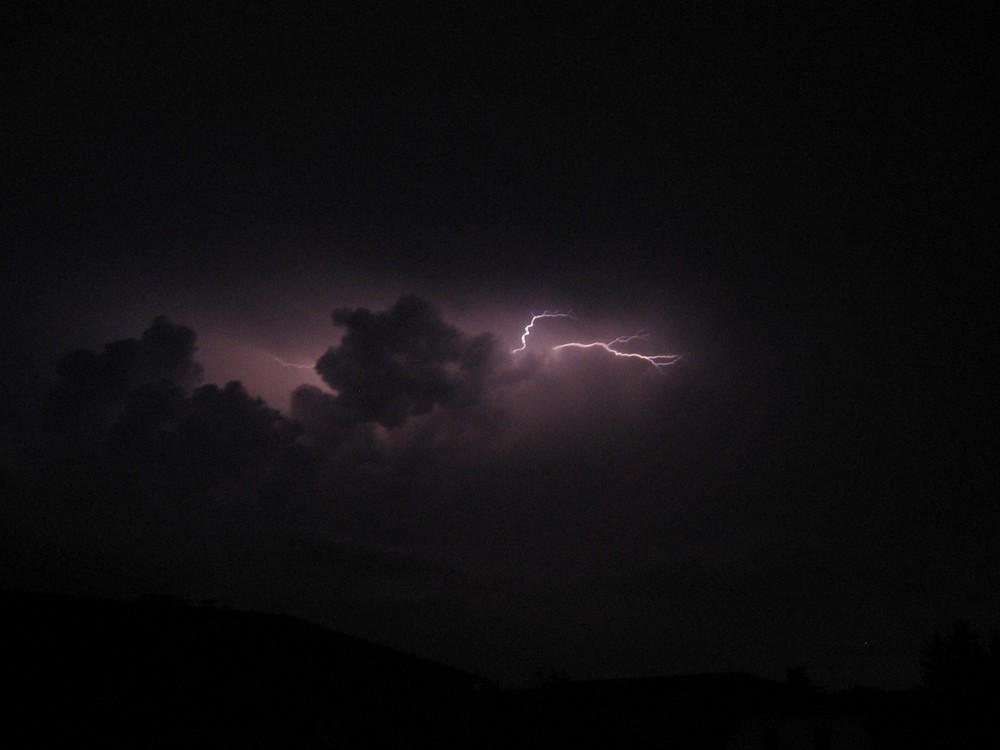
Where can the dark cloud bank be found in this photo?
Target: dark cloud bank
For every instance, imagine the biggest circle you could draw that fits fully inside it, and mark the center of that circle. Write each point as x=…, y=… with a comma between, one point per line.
x=498, y=512
x=401, y=363
x=429, y=497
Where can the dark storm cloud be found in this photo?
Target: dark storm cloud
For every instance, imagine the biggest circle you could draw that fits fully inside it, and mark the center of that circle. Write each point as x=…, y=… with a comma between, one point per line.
x=129, y=419
x=442, y=486
x=137, y=463
x=403, y=362
x=163, y=356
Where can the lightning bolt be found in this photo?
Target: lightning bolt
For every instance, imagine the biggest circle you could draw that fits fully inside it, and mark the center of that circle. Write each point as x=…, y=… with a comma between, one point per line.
x=527, y=328
x=656, y=360
x=283, y=363
x=612, y=347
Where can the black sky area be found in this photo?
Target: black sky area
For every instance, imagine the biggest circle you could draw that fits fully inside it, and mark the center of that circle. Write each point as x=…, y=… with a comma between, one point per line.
x=796, y=198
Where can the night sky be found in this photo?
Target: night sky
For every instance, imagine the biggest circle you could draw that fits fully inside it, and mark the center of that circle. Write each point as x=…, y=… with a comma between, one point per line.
x=796, y=199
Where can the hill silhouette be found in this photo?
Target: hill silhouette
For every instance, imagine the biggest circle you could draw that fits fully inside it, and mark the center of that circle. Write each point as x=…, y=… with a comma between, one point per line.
x=159, y=673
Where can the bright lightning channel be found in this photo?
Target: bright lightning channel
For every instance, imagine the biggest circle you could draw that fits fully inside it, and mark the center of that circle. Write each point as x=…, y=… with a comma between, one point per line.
x=283, y=363
x=611, y=347
x=657, y=360
x=527, y=328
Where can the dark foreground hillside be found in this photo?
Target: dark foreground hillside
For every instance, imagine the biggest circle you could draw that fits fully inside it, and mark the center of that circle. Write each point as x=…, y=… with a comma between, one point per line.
x=158, y=673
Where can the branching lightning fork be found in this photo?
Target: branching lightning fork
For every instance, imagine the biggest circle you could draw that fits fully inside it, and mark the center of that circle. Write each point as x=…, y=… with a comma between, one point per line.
x=657, y=360
x=611, y=347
